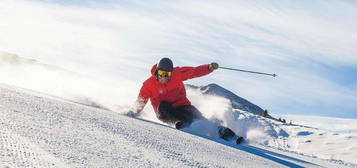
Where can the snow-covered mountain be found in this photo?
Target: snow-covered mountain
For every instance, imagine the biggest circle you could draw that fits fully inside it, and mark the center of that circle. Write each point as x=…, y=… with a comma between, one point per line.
x=236, y=101
x=267, y=131
x=47, y=124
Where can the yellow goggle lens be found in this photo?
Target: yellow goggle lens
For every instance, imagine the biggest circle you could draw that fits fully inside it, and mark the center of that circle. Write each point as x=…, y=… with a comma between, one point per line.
x=163, y=73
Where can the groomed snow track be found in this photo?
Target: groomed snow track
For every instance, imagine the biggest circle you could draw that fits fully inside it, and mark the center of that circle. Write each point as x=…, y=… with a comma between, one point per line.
x=40, y=131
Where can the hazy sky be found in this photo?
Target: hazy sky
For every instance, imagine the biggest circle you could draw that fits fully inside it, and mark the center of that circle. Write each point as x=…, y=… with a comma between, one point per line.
x=311, y=45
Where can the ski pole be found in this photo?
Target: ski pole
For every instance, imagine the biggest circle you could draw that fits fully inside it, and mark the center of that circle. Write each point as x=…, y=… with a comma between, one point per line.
x=261, y=73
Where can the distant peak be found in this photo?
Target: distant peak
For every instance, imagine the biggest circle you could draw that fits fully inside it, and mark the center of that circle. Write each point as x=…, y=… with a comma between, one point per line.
x=236, y=101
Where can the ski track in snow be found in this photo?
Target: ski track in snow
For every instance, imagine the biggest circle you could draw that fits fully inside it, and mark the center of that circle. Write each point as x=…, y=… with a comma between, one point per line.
x=38, y=131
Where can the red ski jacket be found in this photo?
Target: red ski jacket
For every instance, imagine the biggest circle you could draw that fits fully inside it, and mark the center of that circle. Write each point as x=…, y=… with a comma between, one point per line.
x=173, y=91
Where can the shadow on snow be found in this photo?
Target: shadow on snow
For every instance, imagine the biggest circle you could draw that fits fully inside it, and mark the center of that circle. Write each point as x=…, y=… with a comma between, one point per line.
x=273, y=156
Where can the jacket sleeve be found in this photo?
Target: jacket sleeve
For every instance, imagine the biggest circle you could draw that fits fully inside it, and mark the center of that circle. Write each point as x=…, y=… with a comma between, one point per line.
x=193, y=72
x=142, y=99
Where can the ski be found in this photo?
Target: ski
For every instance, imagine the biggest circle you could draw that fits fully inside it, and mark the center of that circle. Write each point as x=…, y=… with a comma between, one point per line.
x=228, y=135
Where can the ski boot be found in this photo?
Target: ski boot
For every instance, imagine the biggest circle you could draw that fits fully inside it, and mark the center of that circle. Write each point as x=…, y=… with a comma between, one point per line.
x=181, y=124
x=228, y=135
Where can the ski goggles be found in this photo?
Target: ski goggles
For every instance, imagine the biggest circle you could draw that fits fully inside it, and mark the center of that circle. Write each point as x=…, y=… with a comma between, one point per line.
x=163, y=73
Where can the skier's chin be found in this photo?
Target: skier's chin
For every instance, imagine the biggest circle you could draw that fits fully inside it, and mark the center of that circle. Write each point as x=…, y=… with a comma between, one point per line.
x=163, y=80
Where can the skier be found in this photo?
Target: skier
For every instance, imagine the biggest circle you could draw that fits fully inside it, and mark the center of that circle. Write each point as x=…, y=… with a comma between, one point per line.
x=167, y=94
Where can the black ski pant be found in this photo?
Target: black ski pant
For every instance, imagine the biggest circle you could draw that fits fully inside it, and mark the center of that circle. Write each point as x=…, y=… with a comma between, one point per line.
x=171, y=115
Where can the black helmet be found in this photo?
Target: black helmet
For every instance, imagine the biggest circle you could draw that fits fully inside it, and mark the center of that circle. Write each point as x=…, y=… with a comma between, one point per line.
x=165, y=64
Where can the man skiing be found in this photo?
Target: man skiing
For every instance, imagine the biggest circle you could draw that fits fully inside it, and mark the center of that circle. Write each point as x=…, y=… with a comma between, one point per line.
x=167, y=94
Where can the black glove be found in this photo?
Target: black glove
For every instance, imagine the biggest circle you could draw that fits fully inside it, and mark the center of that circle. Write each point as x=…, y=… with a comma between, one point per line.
x=213, y=66
x=131, y=113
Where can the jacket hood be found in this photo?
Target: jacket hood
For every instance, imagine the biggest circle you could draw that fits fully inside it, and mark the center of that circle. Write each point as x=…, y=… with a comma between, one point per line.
x=153, y=69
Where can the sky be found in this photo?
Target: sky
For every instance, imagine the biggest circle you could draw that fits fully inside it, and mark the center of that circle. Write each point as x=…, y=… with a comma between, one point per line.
x=310, y=45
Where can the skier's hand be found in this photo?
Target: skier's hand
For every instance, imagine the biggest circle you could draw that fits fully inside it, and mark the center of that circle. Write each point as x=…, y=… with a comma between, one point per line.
x=131, y=113
x=213, y=66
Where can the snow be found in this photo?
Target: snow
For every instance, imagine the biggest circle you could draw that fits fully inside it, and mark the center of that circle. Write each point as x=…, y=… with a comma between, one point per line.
x=236, y=101
x=35, y=130
x=52, y=117
x=321, y=143
x=58, y=126
x=42, y=131
x=340, y=125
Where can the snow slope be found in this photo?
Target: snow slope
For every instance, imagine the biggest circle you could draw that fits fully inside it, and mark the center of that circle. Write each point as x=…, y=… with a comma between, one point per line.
x=216, y=103
x=267, y=132
x=41, y=131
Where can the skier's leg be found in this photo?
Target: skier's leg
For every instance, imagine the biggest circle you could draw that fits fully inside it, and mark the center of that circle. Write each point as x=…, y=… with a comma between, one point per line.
x=167, y=113
x=187, y=114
